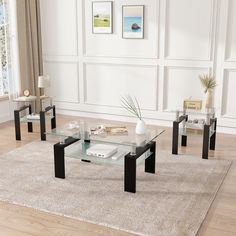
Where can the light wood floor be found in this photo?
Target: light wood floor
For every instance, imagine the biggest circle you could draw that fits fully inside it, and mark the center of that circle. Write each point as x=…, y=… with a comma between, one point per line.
x=21, y=221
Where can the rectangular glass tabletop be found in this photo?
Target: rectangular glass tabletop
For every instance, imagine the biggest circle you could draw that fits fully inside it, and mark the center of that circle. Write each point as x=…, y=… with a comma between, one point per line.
x=128, y=138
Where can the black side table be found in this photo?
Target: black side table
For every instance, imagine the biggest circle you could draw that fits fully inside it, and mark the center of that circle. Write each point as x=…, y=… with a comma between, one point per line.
x=209, y=135
x=42, y=121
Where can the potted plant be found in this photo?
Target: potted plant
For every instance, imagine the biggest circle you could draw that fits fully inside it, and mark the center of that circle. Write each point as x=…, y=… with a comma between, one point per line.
x=132, y=106
x=208, y=83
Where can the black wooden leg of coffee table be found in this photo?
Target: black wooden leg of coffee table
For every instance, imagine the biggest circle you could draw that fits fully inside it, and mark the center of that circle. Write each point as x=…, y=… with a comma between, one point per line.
x=130, y=165
x=130, y=174
x=59, y=157
x=150, y=162
x=53, y=120
x=87, y=143
x=175, y=138
x=59, y=161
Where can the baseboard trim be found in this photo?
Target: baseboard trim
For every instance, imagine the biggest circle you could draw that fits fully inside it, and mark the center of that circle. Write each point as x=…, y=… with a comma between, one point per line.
x=5, y=118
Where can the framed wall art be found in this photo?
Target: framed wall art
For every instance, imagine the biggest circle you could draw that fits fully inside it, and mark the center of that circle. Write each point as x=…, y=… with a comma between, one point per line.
x=102, y=17
x=133, y=21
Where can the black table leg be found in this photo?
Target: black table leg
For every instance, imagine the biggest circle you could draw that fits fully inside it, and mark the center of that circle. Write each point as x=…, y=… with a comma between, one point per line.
x=59, y=157
x=30, y=124
x=53, y=120
x=150, y=162
x=184, y=137
x=130, y=174
x=213, y=141
x=42, y=126
x=17, y=124
x=59, y=161
x=86, y=146
x=184, y=140
x=213, y=137
x=175, y=137
x=130, y=165
x=30, y=127
x=205, y=145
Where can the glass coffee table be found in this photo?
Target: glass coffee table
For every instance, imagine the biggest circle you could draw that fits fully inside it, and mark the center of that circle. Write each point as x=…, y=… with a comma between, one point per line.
x=132, y=149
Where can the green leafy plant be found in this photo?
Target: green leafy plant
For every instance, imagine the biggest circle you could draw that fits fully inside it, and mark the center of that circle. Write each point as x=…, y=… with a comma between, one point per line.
x=131, y=105
x=208, y=82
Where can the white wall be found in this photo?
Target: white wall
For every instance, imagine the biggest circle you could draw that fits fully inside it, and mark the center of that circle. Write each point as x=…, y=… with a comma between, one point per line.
x=184, y=38
x=4, y=110
x=6, y=105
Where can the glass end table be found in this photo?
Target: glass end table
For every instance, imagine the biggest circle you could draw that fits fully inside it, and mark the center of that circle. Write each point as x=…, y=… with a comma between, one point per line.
x=207, y=128
x=31, y=118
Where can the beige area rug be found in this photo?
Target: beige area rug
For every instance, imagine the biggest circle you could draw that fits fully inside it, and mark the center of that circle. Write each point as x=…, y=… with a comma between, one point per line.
x=174, y=201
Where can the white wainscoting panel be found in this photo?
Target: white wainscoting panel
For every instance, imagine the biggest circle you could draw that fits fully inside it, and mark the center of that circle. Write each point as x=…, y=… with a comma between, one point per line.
x=231, y=32
x=189, y=25
x=105, y=84
x=64, y=81
x=182, y=39
x=59, y=27
x=113, y=45
x=5, y=111
x=229, y=86
x=180, y=84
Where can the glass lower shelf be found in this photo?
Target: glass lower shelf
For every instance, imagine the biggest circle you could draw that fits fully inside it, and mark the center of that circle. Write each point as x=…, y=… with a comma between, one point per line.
x=78, y=151
x=35, y=119
x=190, y=132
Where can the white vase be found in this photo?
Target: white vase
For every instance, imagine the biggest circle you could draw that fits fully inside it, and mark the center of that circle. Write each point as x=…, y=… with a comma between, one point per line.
x=209, y=99
x=141, y=127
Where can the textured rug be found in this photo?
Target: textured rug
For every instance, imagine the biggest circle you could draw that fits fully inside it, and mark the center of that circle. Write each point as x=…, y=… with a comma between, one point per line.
x=174, y=201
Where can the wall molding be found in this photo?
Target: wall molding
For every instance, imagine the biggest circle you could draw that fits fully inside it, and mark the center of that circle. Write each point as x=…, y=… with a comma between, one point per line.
x=233, y=60
x=77, y=75
x=225, y=88
x=123, y=65
x=215, y=61
x=166, y=70
x=228, y=42
x=211, y=40
x=43, y=3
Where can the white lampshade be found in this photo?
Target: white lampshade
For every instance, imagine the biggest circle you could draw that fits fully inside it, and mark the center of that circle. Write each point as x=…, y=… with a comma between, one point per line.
x=43, y=81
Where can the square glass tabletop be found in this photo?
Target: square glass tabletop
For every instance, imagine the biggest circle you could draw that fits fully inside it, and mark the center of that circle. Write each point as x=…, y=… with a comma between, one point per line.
x=106, y=133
